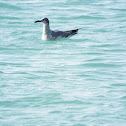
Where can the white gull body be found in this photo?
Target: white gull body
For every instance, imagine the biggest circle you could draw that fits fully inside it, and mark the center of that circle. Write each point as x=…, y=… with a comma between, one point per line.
x=48, y=34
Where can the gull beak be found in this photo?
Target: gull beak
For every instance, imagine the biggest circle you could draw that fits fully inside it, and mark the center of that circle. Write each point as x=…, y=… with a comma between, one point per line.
x=38, y=21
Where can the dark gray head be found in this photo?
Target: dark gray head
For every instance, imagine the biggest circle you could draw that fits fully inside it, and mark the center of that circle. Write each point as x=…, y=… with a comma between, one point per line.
x=44, y=20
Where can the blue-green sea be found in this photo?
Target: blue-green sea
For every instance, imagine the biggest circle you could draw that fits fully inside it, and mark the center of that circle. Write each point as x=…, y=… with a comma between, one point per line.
x=77, y=81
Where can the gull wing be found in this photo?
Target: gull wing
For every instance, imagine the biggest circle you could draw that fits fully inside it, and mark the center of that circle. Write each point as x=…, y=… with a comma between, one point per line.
x=65, y=34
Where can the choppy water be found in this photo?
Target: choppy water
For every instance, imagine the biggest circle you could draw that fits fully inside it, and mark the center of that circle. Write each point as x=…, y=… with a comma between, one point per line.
x=80, y=81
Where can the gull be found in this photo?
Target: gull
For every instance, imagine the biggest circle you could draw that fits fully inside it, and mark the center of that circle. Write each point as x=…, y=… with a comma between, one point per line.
x=48, y=34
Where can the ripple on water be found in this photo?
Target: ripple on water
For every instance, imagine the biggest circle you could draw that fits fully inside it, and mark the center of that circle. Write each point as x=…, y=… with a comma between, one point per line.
x=9, y=6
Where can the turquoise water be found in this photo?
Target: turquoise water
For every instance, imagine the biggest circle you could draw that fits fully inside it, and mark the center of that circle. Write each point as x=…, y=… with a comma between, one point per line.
x=80, y=81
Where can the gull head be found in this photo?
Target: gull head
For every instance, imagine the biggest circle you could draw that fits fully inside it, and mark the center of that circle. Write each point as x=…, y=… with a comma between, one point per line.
x=43, y=20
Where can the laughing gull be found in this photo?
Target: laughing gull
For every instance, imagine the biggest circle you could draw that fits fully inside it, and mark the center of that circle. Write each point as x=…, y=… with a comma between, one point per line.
x=48, y=34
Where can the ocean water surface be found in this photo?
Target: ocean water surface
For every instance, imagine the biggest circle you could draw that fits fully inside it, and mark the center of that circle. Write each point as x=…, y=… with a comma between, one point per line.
x=79, y=81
